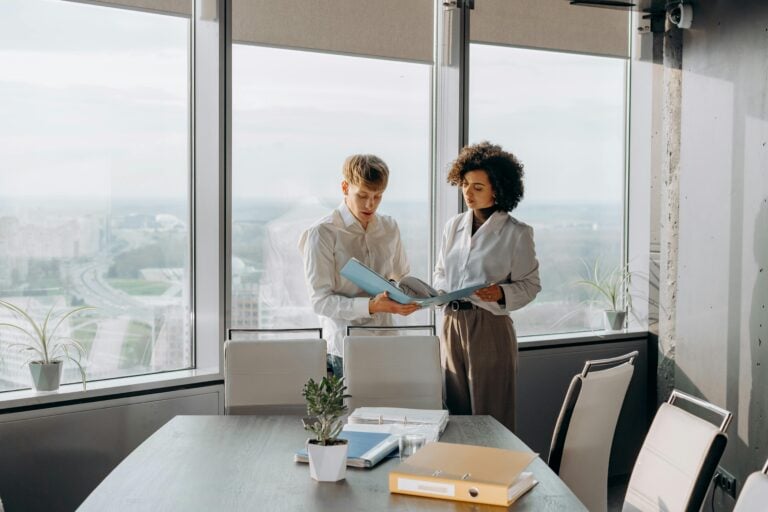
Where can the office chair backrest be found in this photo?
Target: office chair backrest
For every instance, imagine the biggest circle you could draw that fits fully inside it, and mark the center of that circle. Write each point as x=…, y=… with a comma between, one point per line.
x=754, y=494
x=677, y=459
x=584, y=431
x=267, y=376
x=393, y=371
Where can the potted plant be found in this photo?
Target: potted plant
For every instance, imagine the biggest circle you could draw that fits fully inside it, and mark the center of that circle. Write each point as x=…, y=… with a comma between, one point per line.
x=612, y=293
x=45, y=349
x=325, y=407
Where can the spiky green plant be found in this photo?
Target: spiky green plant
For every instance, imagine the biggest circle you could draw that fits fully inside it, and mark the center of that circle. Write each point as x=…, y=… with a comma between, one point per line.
x=42, y=344
x=611, y=288
x=325, y=406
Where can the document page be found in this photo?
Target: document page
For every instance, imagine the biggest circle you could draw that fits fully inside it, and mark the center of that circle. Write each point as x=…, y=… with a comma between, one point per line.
x=375, y=283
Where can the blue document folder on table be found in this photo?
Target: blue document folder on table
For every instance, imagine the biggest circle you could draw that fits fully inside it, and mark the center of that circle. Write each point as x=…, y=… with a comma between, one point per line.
x=365, y=450
x=374, y=283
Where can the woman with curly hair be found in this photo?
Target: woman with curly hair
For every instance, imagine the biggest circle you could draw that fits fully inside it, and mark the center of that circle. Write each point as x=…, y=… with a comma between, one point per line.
x=485, y=244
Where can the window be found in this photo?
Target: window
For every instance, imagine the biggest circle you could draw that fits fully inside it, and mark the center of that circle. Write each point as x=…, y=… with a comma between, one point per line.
x=95, y=180
x=296, y=116
x=95, y=172
x=563, y=116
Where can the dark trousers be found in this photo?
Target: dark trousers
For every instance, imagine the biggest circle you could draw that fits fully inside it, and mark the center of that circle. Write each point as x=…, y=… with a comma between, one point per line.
x=479, y=353
x=335, y=365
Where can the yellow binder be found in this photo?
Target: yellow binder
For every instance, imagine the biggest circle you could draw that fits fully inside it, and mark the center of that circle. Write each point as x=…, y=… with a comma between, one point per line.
x=463, y=472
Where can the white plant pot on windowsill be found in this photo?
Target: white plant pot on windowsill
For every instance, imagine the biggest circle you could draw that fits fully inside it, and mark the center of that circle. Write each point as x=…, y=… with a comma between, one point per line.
x=614, y=320
x=327, y=463
x=46, y=376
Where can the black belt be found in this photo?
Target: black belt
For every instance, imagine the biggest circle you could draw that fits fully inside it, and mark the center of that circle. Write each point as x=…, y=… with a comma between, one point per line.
x=456, y=305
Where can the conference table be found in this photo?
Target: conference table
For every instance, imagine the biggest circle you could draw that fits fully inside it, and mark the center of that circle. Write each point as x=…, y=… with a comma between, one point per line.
x=239, y=463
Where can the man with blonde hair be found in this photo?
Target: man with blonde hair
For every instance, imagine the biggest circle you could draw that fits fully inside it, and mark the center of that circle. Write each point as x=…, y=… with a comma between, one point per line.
x=353, y=230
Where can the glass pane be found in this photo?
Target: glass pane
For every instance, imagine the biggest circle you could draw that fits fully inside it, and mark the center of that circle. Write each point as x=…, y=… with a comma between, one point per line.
x=562, y=115
x=94, y=183
x=296, y=116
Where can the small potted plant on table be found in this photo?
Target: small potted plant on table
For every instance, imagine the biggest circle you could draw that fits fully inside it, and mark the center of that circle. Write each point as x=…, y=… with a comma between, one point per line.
x=325, y=407
x=46, y=349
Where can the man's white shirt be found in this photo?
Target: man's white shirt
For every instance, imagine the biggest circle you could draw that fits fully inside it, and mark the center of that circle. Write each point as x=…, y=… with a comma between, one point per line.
x=326, y=247
x=502, y=251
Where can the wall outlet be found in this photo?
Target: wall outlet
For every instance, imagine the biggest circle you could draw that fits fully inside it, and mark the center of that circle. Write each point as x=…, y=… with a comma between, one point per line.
x=725, y=481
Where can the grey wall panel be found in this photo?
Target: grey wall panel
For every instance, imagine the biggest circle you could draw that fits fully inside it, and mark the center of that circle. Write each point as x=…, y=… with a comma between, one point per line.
x=543, y=379
x=51, y=459
x=722, y=308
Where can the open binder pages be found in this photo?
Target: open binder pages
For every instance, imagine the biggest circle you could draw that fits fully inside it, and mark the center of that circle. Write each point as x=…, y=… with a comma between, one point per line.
x=374, y=283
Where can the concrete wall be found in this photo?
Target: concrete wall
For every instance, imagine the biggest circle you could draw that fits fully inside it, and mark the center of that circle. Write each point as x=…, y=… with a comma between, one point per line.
x=722, y=304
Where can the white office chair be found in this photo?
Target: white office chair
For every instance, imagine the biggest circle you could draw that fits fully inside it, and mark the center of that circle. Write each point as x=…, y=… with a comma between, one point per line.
x=267, y=376
x=584, y=431
x=754, y=494
x=393, y=371
x=678, y=458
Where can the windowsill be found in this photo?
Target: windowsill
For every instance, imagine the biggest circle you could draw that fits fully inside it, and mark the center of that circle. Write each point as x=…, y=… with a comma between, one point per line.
x=158, y=381
x=578, y=338
x=105, y=388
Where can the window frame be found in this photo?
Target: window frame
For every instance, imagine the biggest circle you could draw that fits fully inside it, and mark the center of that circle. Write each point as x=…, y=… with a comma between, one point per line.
x=191, y=279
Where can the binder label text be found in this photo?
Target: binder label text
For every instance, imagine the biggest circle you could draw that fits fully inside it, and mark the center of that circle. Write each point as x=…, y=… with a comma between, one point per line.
x=422, y=486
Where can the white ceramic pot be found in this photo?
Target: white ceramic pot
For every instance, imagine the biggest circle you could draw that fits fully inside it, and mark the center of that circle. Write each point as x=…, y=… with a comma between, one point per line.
x=614, y=320
x=46, y=376
x=327, y=463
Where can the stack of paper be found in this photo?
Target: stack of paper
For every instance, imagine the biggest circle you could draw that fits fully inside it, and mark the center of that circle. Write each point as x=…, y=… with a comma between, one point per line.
x=384, y=415
x=429, y=423
x=430, y=432
x=461, y=472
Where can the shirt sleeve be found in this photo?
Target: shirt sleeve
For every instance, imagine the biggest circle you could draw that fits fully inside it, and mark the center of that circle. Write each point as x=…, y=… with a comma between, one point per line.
x=319, y=272
x=524, y=282
x=400, y=267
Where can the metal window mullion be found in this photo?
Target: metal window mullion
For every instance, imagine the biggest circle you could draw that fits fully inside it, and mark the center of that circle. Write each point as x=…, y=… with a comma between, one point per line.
x=208, y=195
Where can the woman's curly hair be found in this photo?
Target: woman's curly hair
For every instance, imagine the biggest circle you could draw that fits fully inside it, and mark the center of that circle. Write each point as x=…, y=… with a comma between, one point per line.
x=504, y=171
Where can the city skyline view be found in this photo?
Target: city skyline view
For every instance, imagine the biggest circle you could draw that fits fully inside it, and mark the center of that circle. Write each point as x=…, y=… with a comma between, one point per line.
x=108, y=273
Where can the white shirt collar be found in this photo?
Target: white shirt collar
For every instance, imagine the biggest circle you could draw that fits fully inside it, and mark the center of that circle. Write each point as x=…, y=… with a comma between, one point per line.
x=350, y=220
x=497, y=220
x=494, y=223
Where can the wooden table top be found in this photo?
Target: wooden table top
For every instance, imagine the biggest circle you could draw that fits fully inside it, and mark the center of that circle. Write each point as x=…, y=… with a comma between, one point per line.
x=239, y=463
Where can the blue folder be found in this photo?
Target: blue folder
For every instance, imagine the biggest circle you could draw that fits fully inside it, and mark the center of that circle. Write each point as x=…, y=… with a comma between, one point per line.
x=365, y=449
x=374, y=283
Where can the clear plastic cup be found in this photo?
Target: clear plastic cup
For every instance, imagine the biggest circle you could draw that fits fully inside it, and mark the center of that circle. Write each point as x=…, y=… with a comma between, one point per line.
x=410, y=444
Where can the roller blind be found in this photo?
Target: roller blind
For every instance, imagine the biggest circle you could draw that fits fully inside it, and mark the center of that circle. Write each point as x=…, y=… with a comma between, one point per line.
x=395, y=29
x=552, y=25
x=176, y=7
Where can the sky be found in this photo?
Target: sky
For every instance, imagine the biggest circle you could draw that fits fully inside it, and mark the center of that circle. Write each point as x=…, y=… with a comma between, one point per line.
x=94, y=102
x=561, y=114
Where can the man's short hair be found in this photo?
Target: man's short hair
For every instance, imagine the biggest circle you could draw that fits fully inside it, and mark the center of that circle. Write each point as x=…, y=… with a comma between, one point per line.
x=368, y=170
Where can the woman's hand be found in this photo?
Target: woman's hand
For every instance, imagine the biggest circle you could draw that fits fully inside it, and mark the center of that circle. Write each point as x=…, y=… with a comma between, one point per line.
x=492, y=293
x=383, y=304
